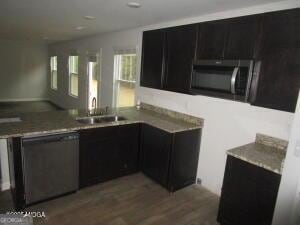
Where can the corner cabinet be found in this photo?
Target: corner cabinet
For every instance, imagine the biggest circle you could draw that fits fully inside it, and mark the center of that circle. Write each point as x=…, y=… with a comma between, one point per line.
x=164, y=157
x=107, y=153
x=248, y=185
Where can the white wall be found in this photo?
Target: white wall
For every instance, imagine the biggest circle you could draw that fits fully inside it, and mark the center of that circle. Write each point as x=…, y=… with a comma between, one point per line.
x=106, y=44
x=287, y=209
x=227, y=124
x=23, y=70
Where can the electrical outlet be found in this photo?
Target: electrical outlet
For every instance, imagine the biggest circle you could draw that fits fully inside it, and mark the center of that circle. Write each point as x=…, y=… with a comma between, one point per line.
x=199, y=181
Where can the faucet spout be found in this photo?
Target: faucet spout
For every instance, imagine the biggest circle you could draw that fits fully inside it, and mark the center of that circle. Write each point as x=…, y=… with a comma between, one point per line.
x=94, y=103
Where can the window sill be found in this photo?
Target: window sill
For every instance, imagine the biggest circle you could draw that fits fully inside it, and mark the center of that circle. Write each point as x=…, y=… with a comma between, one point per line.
x=73, y=96
x=126, y=81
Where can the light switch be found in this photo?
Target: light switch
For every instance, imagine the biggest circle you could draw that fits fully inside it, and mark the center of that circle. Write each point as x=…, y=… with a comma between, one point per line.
x=297, y=149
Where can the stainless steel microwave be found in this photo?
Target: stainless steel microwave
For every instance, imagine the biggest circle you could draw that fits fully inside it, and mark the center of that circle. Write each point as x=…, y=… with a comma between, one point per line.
x=222, y=78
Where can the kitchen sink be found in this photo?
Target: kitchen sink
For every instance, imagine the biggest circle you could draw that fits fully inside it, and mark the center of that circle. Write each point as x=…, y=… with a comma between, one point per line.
x=102, y=119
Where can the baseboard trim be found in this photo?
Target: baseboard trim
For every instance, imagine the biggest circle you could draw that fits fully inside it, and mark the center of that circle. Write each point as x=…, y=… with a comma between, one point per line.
x=24, y=99
x=5, y=186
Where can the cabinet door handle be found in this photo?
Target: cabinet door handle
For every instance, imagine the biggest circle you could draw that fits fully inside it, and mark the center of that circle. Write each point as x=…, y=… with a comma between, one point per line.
x=233, y=79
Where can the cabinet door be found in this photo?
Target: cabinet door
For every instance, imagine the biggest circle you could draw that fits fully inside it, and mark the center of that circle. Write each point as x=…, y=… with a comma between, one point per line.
x=238, y=191
x=156, y=146
x=279, y=30
x=248, y=194
x=129, y=148
x=153, y=59
x=242, y=36
x=184, y=163
x=212, y=39
x=277, y=84
x=99, y=156
x=181, y=47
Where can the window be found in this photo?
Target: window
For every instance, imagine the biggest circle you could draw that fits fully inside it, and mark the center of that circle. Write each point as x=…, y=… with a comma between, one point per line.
x=53, y=70
x=73, y=76
x=93, y=80
x=125, y=77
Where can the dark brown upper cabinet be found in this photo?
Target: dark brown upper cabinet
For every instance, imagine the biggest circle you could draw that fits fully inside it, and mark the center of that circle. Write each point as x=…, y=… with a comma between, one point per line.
x=181, y=47
x=152, y=71
x=279, y=30
x=228, y=39
x=211, y=39
x=276, y=84
x=243, y=33
x=272, y=40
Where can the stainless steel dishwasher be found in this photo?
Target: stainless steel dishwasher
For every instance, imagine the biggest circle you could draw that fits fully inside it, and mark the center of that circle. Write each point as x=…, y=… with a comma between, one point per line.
x=50, y=165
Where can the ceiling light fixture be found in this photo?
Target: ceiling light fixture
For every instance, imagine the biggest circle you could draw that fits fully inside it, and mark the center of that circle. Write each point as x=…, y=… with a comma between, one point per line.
x=89, y=17
x=80, y=28
x=134, y=5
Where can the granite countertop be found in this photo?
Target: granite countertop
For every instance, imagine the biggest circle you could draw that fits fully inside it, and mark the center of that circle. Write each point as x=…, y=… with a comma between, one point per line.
x=266, y=152
x=64, y=121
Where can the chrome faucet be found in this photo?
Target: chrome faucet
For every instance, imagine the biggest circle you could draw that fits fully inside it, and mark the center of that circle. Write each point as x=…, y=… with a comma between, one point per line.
x=94, y=103
x=106, y=110
x=92, y=111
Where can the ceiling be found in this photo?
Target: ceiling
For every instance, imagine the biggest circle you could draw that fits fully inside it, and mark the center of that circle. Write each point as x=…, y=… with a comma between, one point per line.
x=56, y=20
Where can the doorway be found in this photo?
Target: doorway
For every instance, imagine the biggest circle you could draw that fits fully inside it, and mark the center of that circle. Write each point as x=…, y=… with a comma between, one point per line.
x=93, y=71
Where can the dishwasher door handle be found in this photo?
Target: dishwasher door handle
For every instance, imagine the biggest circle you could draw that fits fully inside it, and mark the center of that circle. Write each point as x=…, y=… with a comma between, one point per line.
x=49, y=139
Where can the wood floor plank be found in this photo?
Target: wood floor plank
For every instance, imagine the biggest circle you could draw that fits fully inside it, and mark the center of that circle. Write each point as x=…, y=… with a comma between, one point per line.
x=131, y=200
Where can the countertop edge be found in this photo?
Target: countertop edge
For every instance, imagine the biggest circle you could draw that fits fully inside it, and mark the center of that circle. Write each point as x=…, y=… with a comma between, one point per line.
x=94, y=127
x=254, y=162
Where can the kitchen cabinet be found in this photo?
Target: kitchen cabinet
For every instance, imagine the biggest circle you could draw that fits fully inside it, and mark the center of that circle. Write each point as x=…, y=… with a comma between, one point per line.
x=212, y=39
x=153, y=56
x=247, y=185
x=279, y=30
x=129, y=136
x=181, y=47
x=228, y=39
x=156, y=147
x=107, y=153
x=243, y=33
x=164, y=157
x=277, y=80
x=277, y=84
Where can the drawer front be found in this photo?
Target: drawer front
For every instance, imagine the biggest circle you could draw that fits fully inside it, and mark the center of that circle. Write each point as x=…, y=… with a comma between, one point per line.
x=98, y=133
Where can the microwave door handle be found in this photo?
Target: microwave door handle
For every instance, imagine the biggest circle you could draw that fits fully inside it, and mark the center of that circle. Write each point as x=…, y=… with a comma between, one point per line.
x=233, y=79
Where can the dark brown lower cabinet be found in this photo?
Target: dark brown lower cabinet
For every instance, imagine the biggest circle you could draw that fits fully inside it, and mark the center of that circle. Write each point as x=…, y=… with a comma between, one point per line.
x=107, y=153
x=248, y=194
x=170, y=159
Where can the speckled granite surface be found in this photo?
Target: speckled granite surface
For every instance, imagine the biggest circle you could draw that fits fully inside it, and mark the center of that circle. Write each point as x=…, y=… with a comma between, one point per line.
x=63, y=121
x=173, y=114
x=265, y=152
x=271, y=141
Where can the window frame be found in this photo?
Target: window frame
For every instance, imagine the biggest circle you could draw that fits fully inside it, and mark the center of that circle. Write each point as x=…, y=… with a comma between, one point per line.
x=51, y=73
x=117, y=74
x=70, y=74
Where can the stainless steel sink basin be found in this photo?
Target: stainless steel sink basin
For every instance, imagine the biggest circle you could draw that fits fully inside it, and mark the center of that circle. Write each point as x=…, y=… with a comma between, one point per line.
x=102, y=119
